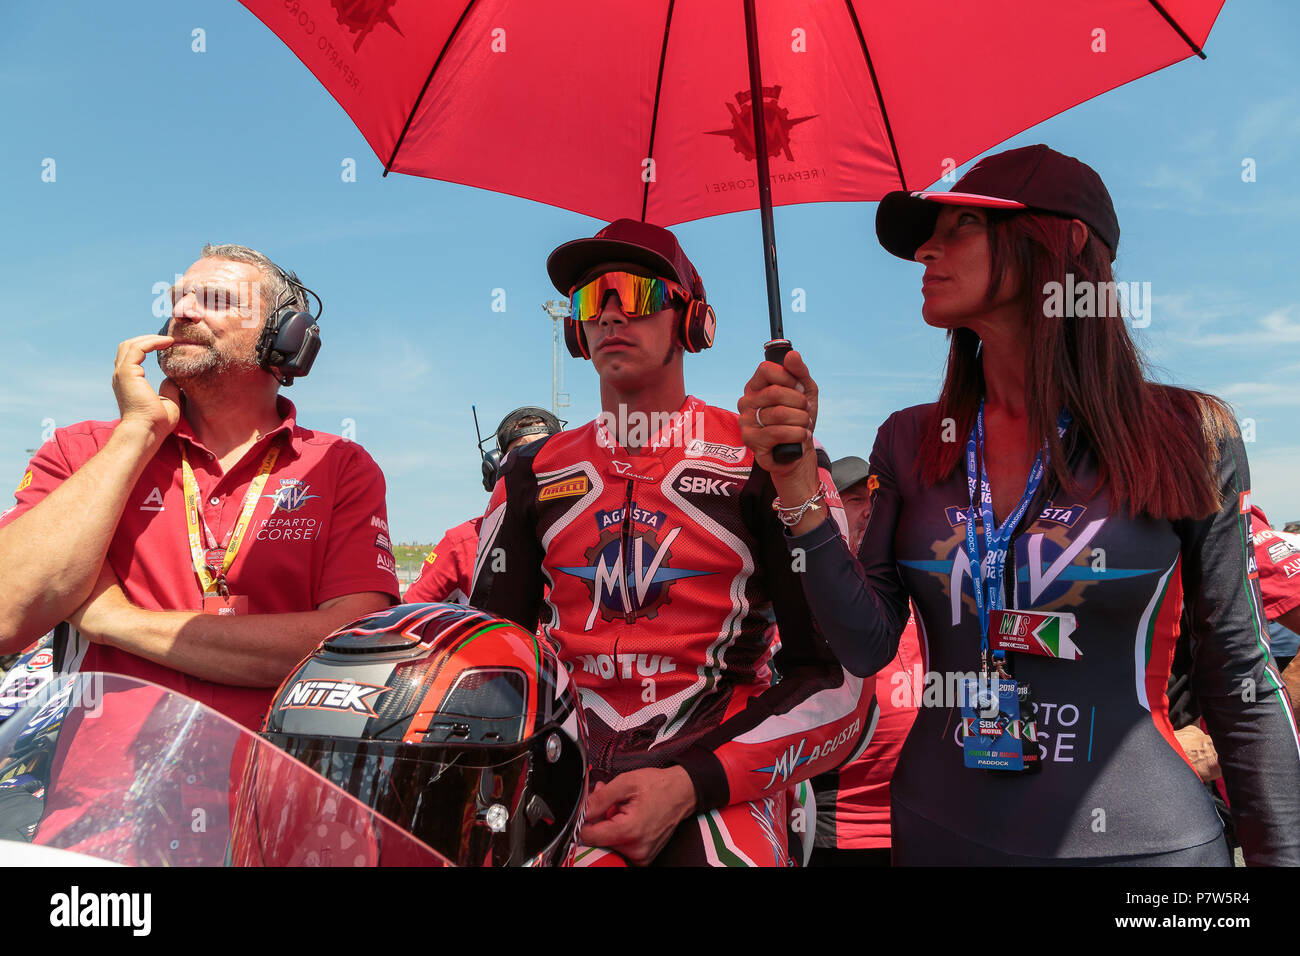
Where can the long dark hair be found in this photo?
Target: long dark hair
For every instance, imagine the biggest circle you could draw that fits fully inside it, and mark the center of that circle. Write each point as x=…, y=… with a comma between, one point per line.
x=1155, y=445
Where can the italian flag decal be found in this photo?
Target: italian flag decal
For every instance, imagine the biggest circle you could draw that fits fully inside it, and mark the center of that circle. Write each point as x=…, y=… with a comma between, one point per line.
x=1034, y=632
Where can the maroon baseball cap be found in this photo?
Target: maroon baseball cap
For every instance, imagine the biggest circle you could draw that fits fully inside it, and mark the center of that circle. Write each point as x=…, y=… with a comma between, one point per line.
x=1031, y=177
x=624, y=240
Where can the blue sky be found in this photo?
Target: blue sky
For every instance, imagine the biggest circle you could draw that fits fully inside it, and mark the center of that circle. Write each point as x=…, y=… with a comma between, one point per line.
x=159, y=149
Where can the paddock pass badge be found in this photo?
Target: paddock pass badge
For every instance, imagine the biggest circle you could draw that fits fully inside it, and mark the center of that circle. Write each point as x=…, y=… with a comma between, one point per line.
x=992, y=742
x=1043, y=633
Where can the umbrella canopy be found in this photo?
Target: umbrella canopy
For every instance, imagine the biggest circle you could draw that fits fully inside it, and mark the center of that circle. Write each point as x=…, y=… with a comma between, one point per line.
x=642, y=108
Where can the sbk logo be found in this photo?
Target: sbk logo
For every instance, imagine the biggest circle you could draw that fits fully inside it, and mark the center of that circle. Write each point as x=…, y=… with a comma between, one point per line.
x=343, y=695
x=1280, y=551
x=700, y=485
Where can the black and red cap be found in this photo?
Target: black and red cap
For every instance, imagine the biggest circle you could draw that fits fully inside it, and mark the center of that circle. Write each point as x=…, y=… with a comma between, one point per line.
x=1031, y=177
x=625, y=240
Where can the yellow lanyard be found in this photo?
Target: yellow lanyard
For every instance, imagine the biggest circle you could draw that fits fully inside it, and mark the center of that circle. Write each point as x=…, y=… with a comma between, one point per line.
x=217, y=584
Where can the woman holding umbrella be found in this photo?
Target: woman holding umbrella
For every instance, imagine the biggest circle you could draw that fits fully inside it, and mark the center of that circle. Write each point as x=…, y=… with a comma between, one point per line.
x=1048, y=516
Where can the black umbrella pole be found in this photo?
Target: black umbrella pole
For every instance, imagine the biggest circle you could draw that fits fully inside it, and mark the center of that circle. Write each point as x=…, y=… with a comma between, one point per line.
x=777, y=349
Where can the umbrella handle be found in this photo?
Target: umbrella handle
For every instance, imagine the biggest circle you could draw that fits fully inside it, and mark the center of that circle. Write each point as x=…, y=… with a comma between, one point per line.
x=776, y=351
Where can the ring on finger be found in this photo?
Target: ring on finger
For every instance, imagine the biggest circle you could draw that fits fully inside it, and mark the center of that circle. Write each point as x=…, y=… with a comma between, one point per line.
x=758, y=417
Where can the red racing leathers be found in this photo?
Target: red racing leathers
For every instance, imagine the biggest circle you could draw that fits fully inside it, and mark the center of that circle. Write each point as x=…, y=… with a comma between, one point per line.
x=664, y=568
x=448, y=570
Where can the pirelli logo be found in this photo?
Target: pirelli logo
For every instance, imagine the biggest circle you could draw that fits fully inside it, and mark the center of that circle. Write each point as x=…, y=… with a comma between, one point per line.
x=565, y=489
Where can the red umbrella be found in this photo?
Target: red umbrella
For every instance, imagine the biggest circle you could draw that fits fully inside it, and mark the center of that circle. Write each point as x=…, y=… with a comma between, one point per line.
x=649, y=108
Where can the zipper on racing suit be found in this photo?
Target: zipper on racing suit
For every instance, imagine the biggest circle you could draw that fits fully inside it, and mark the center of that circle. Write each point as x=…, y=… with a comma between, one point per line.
x=628, y=615
x=625, y=539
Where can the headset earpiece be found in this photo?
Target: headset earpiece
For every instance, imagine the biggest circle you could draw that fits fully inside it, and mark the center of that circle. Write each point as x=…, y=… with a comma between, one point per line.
x=575, y=339
x=491, y=469
x=698, y=326
x=290, y=339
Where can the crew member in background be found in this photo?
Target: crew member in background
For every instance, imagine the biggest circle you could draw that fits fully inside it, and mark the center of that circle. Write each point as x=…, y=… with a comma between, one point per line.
x=1277, y=556
x=448, y=571
x=204, y=541
x=853, y=801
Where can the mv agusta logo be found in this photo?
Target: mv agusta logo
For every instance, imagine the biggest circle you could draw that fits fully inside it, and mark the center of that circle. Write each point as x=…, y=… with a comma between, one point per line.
x=362, y=16
x=632, y=584
x=777, y=123
x=290, y=496
x=1056, y=560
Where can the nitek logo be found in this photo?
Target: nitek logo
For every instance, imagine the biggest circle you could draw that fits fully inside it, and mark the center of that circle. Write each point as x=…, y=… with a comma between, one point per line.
x=622, y=592
x=362, y=16
x=777, y=124
x=290, y=496
x=332, y=695
x=731, y=454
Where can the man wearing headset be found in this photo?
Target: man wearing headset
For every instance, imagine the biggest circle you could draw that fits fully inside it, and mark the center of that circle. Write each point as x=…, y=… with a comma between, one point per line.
x=205, y=540
x=448, y=570
x=657, y=537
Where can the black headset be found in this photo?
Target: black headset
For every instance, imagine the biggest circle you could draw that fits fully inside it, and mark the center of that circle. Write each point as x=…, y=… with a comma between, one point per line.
x=491, y=464
x=290, y=339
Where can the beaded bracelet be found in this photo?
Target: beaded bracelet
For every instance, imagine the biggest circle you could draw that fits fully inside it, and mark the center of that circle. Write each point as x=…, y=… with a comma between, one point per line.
x=792, y=516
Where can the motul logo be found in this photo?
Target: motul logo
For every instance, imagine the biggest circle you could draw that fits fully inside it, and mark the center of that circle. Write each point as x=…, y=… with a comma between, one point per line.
x=343, y=695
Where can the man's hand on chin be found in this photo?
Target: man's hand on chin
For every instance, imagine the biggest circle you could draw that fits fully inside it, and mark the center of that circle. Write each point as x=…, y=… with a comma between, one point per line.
x=636, y=812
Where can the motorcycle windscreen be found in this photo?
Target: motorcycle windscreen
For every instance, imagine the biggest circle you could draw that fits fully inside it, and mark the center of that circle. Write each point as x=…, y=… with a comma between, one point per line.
x=498, y=805
x=132, y=773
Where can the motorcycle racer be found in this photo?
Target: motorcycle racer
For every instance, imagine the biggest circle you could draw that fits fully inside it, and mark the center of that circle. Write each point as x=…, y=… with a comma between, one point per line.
x=655, y=532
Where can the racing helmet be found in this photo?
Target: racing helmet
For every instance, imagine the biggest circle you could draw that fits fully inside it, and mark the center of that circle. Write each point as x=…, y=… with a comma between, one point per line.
x=460, y=727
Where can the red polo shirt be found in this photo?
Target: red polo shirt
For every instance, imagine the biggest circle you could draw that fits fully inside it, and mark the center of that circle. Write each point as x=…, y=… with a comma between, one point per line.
x=853, y=802
x=1278, y=560
x=448, y=571
x=319, y=531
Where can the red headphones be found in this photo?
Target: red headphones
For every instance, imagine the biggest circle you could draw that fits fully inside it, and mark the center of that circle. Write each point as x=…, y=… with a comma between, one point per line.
x=695, y=330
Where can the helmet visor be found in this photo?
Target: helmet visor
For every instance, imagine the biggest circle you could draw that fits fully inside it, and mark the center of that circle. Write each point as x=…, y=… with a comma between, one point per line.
x=477, y=805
